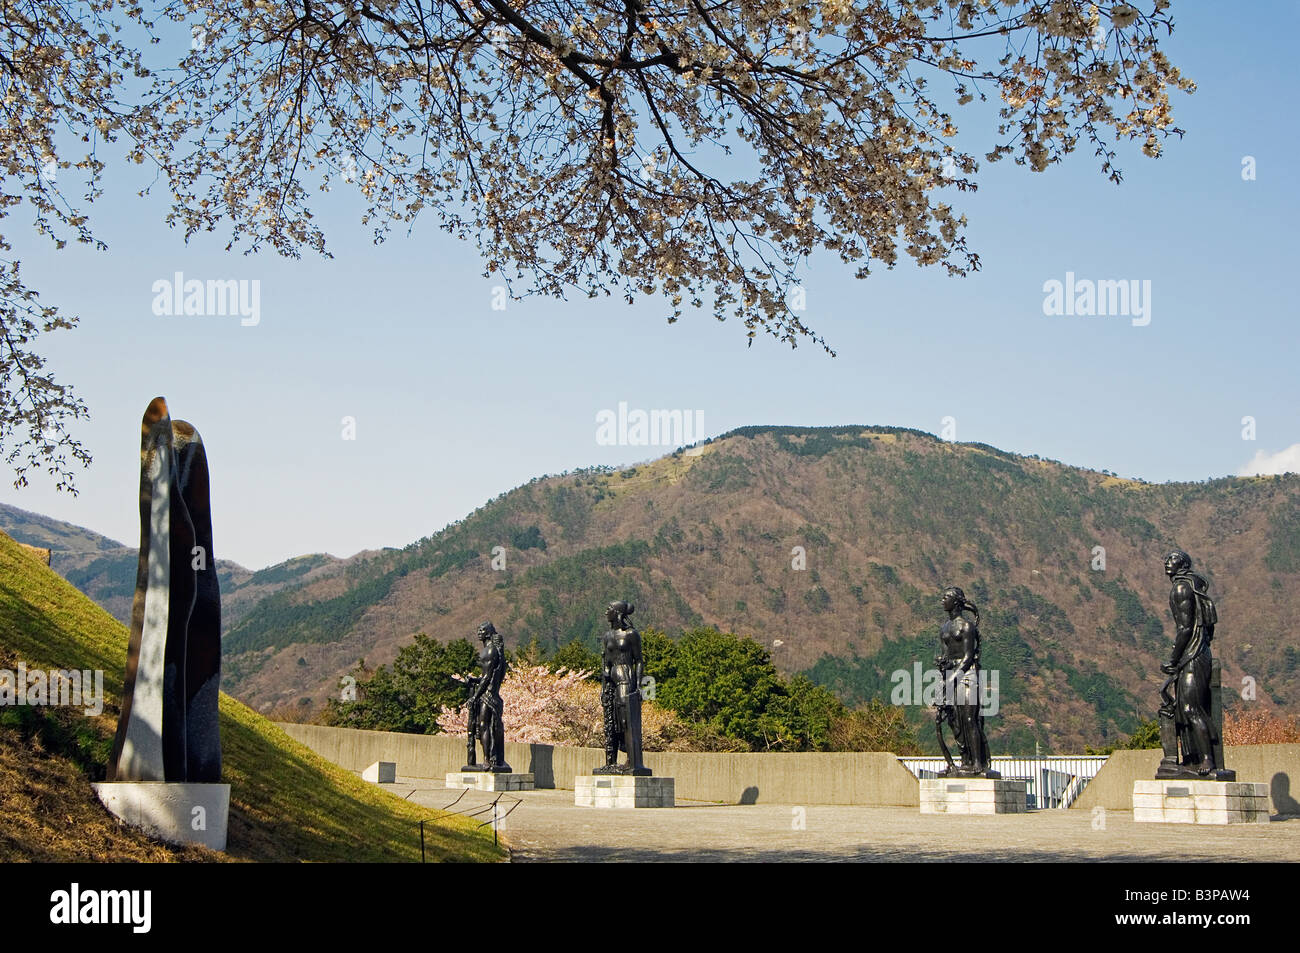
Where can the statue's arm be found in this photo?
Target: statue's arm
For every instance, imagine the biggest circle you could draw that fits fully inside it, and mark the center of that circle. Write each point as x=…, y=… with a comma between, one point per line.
x=1182, y=603
x=968, y=648
x=638, y=661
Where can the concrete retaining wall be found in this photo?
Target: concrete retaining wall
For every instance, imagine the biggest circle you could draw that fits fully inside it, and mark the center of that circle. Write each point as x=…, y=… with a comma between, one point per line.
x=866, y=778
x=1278, y=766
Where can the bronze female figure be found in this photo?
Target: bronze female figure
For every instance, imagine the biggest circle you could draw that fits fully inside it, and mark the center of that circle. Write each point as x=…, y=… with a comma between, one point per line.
x=622, y=668
x=959, y=665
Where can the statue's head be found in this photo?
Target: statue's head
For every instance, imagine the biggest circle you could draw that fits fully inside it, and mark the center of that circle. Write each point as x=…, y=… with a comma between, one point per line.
x=486, y=631
x=953, y=598
x=617, y=613
x=1177, y=563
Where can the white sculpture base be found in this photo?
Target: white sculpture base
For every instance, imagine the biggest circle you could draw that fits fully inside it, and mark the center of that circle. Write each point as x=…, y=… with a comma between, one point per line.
x=490, y=781
x=1176, y=801
x=176, y=813
x=973, y=796
x=381, y=772
x=623, y=790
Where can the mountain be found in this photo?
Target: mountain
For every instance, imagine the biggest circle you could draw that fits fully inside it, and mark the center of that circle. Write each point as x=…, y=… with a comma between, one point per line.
x=104, y=569
x=885, y=517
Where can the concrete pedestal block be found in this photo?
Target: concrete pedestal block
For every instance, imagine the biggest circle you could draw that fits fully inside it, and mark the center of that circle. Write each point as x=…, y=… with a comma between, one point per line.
x=614, y=790
x=381, y=772
x=1176, y=801
x=177, y=813
x=490, y=781
x=973, y=796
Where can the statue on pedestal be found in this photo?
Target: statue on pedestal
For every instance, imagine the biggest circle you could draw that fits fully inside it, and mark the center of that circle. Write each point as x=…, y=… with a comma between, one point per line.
x=622, y=668
x=959, y=708
x=169, y=730
x=1190, y=718
x=485, y=707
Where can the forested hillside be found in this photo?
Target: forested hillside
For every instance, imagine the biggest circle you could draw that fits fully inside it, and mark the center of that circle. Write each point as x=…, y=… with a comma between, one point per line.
x=879, y=519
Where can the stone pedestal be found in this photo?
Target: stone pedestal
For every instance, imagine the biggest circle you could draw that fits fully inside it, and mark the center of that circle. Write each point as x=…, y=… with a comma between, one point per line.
x=177, y=813
x=381, y=772
x=1200, y=802
x=490, y=781
x=973, y=796
x=613, y=790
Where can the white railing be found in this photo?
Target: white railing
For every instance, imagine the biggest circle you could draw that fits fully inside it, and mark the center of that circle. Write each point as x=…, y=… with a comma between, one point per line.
x=1050, y=781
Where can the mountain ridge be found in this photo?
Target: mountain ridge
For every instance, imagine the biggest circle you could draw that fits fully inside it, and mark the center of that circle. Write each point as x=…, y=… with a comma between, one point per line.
x=105, y=569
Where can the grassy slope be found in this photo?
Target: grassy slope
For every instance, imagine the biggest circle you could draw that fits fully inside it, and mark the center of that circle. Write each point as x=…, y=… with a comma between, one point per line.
x=287, y=803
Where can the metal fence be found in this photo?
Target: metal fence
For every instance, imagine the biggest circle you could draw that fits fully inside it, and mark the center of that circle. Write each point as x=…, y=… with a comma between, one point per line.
x=1050, y=781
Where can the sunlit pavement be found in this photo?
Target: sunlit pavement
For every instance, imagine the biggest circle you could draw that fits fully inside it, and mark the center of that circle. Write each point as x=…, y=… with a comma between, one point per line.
x=546, y=826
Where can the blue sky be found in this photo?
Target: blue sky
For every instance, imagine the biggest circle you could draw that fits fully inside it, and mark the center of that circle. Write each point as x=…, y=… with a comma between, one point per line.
x=455, y=402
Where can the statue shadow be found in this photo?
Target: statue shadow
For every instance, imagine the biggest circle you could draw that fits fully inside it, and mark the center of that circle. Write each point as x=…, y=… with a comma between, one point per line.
x=1284, y=804
x=749, y=795
x=541, y=765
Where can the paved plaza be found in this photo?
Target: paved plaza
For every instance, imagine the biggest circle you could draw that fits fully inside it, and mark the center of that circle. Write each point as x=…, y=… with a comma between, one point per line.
x=546, y=826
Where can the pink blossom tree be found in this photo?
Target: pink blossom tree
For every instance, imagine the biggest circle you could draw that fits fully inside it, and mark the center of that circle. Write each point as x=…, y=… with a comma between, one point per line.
x=541, y=707
x=562, y=708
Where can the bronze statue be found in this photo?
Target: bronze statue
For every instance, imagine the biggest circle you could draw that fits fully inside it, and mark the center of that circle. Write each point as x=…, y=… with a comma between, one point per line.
x=484, y=703
x=1191, y=718
x=959, y=708
x=622, y=668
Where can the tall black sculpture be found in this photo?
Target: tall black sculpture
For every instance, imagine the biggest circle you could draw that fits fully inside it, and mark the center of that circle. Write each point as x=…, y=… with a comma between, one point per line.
x=168, y=730
x=1191, y=729
x=622, y=668
x=485, y=707
x=959, y=708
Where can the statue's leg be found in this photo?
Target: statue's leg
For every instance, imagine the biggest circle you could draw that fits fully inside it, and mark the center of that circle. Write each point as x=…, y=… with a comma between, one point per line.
x=499, y=742
x=611, y=733
x=970, y=750
x=485, y=734
x=492, y=736
x=959, y=736
x=967, y=702
x=489, y=741
x=982, y=759
x=1195, y=711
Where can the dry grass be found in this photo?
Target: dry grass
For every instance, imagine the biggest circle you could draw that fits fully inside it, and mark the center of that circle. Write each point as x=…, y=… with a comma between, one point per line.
x=48, y=812
x=1259, y=727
